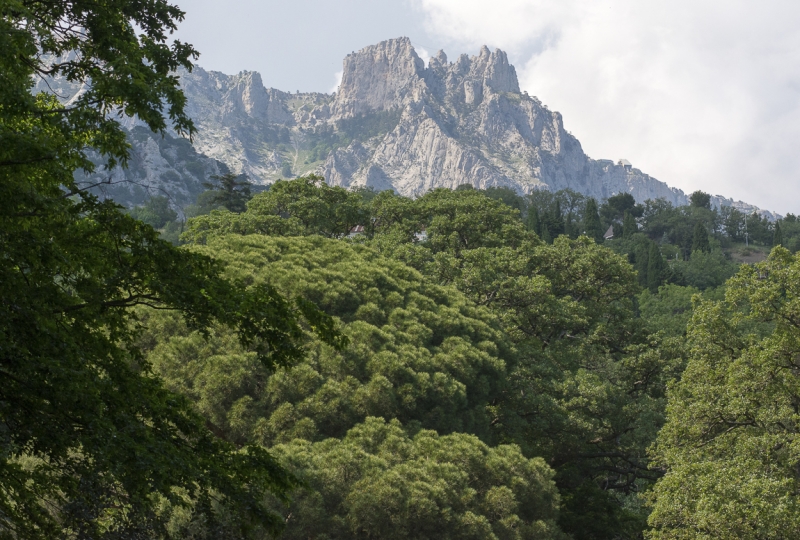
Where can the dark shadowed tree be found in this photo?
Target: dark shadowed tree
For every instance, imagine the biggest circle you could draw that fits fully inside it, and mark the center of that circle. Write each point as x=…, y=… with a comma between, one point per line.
x=777, y=236
x=591, y=222
x=700, y=199
x=92, y=445
x=629, y=227
x=231, y=191
x=700, y=239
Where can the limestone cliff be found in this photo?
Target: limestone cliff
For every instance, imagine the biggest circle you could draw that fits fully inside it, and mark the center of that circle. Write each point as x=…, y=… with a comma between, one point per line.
x=395, y=123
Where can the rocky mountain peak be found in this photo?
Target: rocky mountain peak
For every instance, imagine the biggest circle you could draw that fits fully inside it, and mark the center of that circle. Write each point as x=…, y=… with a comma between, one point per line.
x=395, y=124
x=377, y=77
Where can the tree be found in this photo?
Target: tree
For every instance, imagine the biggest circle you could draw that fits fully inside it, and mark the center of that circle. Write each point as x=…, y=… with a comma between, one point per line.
x=614, y=208
x=547, y=238
x=532, y=220
x=426, y=487
x=156, y=212
x=700, y=239
x=591, y=222
x=231, y=191
x=700, y=199
x=629, y=227
x=419, y=351
x=777, y=236
x=728, y=445
x=507, y=196
x=93, y=445
x=655, y=268
x=304, y=206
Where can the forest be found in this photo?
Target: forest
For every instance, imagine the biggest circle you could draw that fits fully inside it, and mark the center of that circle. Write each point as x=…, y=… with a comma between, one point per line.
x=312, y=362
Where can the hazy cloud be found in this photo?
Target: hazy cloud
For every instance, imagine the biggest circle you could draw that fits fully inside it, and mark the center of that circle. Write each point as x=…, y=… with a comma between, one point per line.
x=338, y=77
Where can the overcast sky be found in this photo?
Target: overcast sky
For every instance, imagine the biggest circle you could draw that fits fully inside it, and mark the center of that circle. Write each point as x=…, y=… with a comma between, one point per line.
x=701, y=94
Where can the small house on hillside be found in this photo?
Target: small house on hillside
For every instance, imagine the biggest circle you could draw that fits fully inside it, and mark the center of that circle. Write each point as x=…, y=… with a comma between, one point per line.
x=355, y=231
x=609, y=233
x=625, y=163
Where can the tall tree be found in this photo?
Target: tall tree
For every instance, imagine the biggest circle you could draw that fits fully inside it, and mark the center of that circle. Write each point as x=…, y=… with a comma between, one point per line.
x=655, y=268
x=532, y=220
x=231, y=191
x=777, y=235
x=700, y=199
x=591, y=222
x=629, y=227
x=700, y=238
x=91, y=444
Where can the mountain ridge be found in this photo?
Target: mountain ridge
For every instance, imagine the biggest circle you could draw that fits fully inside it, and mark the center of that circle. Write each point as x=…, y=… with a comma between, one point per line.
x=395, y=123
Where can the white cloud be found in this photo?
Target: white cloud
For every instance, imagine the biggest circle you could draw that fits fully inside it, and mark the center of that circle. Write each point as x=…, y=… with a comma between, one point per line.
x=423, y=54
x=702, y=94
x=338, y=76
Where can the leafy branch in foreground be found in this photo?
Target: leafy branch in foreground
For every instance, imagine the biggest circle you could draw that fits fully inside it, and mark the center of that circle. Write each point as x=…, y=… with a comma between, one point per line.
x=91, y=443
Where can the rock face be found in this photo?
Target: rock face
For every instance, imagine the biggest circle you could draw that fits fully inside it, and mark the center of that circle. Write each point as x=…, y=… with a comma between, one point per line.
x=395, y=123
x=164, y=166
x=465, y=122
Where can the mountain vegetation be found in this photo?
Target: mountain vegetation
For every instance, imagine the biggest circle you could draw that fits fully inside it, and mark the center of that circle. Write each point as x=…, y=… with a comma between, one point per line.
x=319, y=362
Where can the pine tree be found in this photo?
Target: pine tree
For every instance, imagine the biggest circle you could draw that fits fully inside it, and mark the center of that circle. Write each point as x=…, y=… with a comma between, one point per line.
x=700, y=240
x=641, y=255
x=591, y=222
x=532, y=220
x=655, y=268
x=629, y=227
x=777, y=235
x=229, y=190
x=547, y=238
x=557, y=223
x=569, y=227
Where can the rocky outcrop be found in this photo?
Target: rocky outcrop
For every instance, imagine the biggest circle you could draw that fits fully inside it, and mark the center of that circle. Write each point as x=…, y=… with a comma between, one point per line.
x=377, y=78
x=164, y=166
x=466, y=122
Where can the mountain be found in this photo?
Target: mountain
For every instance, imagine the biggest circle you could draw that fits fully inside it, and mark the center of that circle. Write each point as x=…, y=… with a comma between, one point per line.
x=395, y=123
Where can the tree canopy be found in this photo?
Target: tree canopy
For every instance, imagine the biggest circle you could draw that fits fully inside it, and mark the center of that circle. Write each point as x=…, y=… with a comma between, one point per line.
x=93, y=445
x=728, y=447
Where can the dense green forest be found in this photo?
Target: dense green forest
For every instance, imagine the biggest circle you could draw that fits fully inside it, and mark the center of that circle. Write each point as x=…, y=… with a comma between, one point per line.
x=309, y=362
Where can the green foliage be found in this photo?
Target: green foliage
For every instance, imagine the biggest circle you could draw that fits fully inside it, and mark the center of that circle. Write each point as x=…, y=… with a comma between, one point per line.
x=700, y=199
x=304, y=206
x=700, y=239
x=419, y=352
x=656, y=268
x=567, y=307
x=728, y=447
x=378, y=482
x=591, y=222
x=322, y=141
x=532, y=220
x=706, y=269
x=629, y=227
x=507, y=196
x=230, y=191
x=156, y=212
x=613, y=210
x=669, y=309
x=561, y=212
x=777, y=235
x=91, y=443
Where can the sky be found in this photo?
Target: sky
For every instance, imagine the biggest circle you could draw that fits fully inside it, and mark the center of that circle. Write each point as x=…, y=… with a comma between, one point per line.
x=701, y=94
